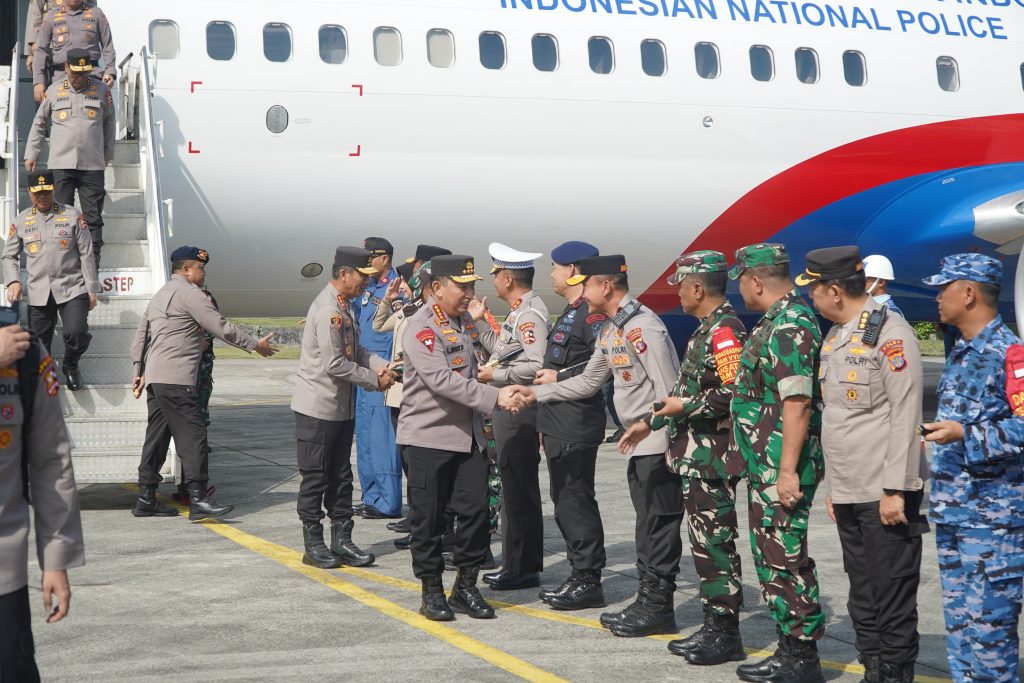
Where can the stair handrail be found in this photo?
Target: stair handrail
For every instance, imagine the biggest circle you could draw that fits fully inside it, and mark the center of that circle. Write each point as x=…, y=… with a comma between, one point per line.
x=10, y=201
x=156, y=219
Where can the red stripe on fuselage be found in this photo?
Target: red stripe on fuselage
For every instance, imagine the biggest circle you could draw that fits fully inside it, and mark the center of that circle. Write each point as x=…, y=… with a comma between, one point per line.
x=846, y=171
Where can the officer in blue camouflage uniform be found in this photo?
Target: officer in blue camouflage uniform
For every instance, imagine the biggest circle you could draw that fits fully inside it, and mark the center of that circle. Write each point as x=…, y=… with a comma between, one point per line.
x=977, y=497
x=377, y=458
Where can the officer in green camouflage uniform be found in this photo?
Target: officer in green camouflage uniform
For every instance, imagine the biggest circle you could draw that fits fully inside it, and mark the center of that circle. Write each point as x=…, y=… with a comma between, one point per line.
x=697, y=418
x=776, y=417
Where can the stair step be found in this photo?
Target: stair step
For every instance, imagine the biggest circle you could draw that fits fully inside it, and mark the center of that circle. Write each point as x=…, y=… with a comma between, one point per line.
x=124, y=226
x=118, y=432
x=126, y=152
x=115, y=465
x=122, y=177
x=103, y=369
x=119, y=310
x=124, y=281
x=112, y=400
x=126, y=254
x=109, y=340
x=122, y=201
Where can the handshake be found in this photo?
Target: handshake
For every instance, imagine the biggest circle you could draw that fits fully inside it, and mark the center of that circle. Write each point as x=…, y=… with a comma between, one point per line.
x=386, y=377
x=515, y=397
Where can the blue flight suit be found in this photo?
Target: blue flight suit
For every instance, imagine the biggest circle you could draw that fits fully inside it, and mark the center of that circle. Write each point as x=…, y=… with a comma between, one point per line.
x=977, y=505
x=378, y=460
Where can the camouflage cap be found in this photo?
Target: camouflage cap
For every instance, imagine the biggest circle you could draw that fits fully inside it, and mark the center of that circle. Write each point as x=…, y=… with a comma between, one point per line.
x=755, y=255
x=706, y=261
x=974, y=267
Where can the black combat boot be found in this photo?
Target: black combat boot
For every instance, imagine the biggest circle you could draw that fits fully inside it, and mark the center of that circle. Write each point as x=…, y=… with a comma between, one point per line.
x=147, y=505
x=201, y=506
x=584, y=591
x=795, y=661
x=683, y=645
x=344, y=548
x=655, y=613
x=895, y=673
x=317, y=553
x=434, y=605
x=872, y=668
x=466, y=596
x=609, y=619
x=547, y=593
x=72, y=377
x=721, y=644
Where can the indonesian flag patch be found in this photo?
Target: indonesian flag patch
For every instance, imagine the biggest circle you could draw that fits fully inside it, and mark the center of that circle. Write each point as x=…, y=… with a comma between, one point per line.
x=427, y=338
x=726, y=350
x=1015, y=379
x=893, y=350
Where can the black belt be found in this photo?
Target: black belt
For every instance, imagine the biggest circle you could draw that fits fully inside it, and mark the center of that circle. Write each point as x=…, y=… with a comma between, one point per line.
x=58, y=67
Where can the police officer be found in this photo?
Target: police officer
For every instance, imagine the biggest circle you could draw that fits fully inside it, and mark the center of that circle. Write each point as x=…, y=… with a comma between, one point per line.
x=331, y=364
x=879, y=273
x=440, y=430
x=525, y=331
x=377, y=457
x=634, y=347
x=697, y=419
x=72, y=27
x=37, y=9
x=42, y=440
x=871, y=383
x=61, y=272
x=425, y=252
x=166, y=352
x=977, y=495
x=80, y=112
x=572, y=432
x=776, y=422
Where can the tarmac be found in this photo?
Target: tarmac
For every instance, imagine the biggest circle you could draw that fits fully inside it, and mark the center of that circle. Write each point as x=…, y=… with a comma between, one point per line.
x=171, y=600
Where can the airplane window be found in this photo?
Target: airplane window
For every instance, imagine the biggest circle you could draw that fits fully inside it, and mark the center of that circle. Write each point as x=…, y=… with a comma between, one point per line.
x=277, y=119
x=708, y=65
x=387, y=46
x=855, y=68
x=949, y=74
x=652, y=57
x=806, y=65
x=1022, y=75
x=545, y=52
x=333, y=44
x=220, y=40
x=163, y=39
x=440, y=48
x=762, y=63
x=277, y=42
x=602, y=56
x=492, y=50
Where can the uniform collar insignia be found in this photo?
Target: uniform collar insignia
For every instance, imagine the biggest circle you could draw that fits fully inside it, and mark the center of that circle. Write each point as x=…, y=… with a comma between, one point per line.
x=579, y=302
x=517, y=304
x=439, y=317
x=342, y=302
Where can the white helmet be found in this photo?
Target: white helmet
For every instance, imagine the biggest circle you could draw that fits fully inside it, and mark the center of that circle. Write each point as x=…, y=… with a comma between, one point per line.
x=878, y=266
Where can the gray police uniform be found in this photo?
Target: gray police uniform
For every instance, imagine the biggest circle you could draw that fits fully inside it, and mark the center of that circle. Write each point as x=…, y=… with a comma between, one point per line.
x=167, y=349
x=37, y=9
x=872, y=396
x=58, y=524
x=441, y=432
x=63, y=30
x=81, y=141
x=635, y=348
x=522, y=522
x=61, y=273
x=331, y=366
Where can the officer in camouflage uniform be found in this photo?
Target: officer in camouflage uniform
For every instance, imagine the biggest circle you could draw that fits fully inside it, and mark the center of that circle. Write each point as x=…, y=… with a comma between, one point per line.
x=776, y=401
x=977, y=496
x=697, y=419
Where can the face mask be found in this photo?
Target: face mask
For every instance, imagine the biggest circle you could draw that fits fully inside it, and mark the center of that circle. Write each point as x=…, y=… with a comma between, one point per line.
x=882, y=298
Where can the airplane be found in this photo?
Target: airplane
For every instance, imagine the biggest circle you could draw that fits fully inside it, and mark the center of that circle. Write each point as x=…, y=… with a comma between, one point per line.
x=647, y=127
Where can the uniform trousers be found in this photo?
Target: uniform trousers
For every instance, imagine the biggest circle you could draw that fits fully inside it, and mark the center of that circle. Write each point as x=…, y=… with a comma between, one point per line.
x=174, y=411
x=657, y=495
x=458, y=481
x=17, y=649
x=377, y=457
x=883, y=564
x=522, y=522
x=711, y=507
x=74, y=316
x=91, y=194
x=981, y=570
x=571, y=469
x=324, y=456
x=785, y=569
